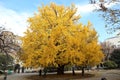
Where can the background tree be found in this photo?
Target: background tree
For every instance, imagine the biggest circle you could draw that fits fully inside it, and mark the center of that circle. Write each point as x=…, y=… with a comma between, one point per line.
x=110, y=12
x=107, y=49
x=7, y=46
x=55, y=38
x=115, y=56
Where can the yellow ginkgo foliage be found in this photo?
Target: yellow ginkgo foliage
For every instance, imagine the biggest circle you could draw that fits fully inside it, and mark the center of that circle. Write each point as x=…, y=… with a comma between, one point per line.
x=55, y=38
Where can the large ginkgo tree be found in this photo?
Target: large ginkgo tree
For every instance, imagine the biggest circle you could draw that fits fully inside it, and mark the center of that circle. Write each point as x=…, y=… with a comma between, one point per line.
x=56, y=38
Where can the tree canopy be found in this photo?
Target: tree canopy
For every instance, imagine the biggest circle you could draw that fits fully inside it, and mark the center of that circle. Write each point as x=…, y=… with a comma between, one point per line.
x=56, y=38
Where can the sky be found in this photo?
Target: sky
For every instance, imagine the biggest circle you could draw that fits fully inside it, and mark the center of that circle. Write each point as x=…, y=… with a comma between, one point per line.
x=14, y=14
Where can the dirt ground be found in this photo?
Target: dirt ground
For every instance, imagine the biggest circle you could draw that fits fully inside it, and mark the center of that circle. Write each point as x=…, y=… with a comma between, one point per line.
x=91, y=75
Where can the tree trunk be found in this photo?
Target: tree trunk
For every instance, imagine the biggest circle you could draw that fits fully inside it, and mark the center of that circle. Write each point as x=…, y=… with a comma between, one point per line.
x=5, y=75
x=5, y=67
x=73, y=70
x=40, y=72
x=83, y=71
x=60, y=69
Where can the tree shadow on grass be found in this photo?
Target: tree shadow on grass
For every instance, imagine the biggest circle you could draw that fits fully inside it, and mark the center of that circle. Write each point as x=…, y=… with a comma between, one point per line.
x=67, y=76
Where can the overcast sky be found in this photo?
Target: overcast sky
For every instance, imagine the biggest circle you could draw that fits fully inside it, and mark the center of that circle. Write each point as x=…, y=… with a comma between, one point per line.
x=14, y=14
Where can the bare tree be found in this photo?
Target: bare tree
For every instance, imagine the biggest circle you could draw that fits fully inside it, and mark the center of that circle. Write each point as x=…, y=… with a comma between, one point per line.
x=110, y=12
x=7, y=45
x=107, y=49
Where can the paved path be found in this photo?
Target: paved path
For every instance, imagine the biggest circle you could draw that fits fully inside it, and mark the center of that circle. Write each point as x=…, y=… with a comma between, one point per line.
x=109, y=74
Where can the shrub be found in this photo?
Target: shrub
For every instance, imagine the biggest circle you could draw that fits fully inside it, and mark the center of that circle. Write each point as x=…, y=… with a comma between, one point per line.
x=110, y=65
